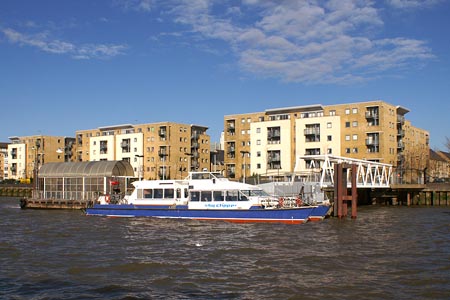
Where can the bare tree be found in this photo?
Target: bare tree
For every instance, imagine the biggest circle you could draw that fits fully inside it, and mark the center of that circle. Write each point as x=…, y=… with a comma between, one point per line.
x=447, y=143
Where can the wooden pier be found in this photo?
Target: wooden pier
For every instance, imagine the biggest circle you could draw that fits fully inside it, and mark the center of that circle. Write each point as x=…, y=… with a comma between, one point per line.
x=54, y=204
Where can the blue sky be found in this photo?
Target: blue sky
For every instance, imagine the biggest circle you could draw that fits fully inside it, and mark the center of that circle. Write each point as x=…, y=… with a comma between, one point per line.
x=71, y=65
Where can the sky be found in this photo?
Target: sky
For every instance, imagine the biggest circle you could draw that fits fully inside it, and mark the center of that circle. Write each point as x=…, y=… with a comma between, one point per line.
x=77, y=65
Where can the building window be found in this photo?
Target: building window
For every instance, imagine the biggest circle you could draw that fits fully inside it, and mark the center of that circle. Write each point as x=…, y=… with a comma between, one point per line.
x=347, y=150
x=355, y=137
x=347, y=111
x=103, y=147
x=274, y=135
x=355, y=124
x=258, y=154
x=329, y=138
x=329, y=125
x=258, y=142
x=258, y=130
x=329, y=151
x=355, y=110
x=249, y=120
x=347, y=137
x=355, y=150
x=347, y=124
x=258, y=166
x=332, y=112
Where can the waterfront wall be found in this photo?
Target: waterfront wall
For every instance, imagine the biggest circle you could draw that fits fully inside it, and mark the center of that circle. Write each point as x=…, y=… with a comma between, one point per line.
x=21, y=191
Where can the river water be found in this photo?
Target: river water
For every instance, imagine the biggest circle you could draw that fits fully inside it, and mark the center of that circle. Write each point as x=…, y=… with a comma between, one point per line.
x=386, y=253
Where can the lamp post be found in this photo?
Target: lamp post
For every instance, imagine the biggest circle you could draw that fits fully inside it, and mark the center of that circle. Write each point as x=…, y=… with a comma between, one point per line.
x=139, y=166
x=35, y=170
x=243, y=154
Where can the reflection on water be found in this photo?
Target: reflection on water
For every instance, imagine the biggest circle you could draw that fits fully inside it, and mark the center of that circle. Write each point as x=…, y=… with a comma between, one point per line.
x=386, y=253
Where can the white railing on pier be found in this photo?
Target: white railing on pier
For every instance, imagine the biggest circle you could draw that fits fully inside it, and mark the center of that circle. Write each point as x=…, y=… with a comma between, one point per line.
x=370, y=174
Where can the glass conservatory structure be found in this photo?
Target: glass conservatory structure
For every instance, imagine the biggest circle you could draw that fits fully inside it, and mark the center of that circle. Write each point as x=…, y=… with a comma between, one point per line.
x=84, y=180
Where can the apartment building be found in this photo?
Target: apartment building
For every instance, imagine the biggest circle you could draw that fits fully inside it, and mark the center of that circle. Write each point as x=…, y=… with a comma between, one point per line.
x=163, y=150
x=27, y=154
x=3, y=161
x=439, y=168
x=270, y=142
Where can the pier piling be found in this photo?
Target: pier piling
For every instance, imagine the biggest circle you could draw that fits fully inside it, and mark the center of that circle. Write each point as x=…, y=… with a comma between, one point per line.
x=341, y=192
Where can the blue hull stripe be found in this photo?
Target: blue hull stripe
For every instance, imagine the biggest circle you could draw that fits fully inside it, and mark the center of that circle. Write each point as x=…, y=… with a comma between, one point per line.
x=302, y=213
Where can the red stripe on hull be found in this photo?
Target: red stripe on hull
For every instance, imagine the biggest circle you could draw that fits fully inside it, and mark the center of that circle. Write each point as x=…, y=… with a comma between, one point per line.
x=315, y=219
x=253, y=220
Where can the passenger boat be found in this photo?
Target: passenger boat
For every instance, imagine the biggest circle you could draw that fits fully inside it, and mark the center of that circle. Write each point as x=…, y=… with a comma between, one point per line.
x=201, y=196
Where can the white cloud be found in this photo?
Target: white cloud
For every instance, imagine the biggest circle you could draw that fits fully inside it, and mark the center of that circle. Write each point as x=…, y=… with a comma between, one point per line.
x=305, y=41
x=46, y=44
x=136, y=5
x=413, y=3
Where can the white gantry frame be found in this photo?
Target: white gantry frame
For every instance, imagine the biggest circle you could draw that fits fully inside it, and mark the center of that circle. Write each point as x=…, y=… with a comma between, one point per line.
x=369, y=174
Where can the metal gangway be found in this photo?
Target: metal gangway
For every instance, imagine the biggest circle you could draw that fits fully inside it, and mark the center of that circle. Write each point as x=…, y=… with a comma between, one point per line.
x=320, y=168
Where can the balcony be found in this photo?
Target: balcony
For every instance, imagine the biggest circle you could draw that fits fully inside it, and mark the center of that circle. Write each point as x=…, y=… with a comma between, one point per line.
x=273, y=134
x=162, y=152
x=311, y=131
x=372, y=142
x=162, y=132
x=312, y=152
x=231, y=127
x=372, y=114
x=195, y=135
x=274, y=158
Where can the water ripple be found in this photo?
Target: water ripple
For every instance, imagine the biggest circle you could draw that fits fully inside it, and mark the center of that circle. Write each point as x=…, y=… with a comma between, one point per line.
x=386, y=253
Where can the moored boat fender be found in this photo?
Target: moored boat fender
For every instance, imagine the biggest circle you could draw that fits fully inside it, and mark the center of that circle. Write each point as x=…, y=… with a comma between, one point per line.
x=299, y=201
x=23, y=203
x=107, y=199
x=281, y=202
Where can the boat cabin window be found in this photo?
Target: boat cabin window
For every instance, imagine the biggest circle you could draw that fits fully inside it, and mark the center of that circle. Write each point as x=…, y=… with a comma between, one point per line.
x=179, y=195
x=235, y=196
x=231, y=195
x=169, y=193
x=195, y=196
x=206, y=195
x=218, y=196
x=156, y=193
x=144, y=193
x=250, y=193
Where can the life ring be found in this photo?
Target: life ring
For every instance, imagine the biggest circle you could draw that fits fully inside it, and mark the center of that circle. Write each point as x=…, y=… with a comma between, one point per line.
x=299, y=201
x=107, y=199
